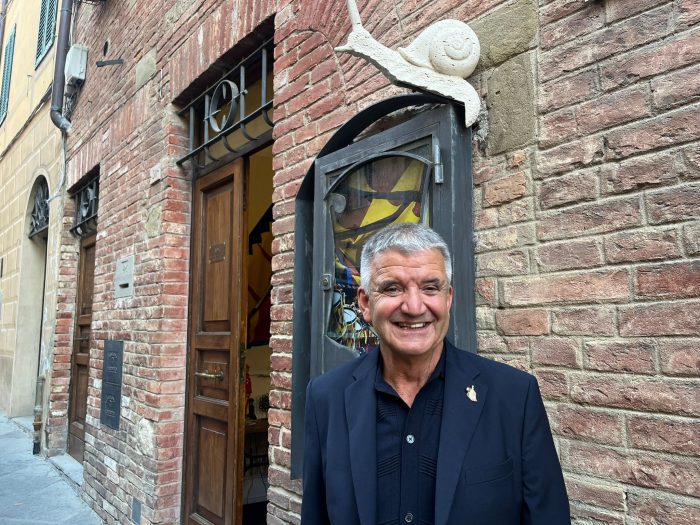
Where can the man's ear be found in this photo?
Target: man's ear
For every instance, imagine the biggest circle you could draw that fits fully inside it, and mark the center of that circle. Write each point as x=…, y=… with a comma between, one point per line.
x=363, y=303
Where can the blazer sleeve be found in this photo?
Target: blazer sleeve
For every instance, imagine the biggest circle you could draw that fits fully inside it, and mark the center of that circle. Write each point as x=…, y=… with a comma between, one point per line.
x=545, y=501
x=313, y=504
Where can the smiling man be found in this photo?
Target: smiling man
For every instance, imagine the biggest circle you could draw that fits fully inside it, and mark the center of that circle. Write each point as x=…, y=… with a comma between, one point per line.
x=420, y=431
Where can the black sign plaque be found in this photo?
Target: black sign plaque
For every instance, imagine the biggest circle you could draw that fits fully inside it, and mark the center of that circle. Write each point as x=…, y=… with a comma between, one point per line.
x=110, y=406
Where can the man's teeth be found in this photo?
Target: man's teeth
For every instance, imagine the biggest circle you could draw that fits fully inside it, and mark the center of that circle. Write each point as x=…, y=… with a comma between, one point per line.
x=412, y=325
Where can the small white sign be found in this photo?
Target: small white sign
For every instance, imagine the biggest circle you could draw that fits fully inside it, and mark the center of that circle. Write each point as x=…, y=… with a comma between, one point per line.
x=154, y=174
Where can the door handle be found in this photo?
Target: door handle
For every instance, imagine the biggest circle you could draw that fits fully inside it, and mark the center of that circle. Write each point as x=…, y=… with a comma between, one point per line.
x=208, y=375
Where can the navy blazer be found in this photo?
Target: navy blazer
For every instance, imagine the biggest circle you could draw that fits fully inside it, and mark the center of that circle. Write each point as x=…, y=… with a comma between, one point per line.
x=497, y=464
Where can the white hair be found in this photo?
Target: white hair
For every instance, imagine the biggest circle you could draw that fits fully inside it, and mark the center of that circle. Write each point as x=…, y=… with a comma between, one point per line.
x=407, y=238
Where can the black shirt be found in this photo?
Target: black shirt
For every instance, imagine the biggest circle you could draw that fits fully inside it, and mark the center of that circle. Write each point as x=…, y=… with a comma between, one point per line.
x=407, y=447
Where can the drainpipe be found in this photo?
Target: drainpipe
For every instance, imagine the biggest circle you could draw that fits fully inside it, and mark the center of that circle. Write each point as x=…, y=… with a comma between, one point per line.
x=59, y=75
x=3, y=13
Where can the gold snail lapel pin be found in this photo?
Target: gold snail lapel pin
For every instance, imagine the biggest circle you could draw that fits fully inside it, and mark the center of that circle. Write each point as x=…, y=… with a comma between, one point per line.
x=471, y=393
x=438, y=61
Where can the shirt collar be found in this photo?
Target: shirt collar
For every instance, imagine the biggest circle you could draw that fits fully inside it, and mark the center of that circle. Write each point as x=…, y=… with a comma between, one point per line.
x=380, y=384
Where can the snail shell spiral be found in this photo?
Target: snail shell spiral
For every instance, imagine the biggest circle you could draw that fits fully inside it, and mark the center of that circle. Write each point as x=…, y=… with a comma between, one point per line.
x=448, y=46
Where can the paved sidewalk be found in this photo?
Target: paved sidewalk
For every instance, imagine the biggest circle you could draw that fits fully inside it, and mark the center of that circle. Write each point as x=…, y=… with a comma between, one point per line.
x=32, y=491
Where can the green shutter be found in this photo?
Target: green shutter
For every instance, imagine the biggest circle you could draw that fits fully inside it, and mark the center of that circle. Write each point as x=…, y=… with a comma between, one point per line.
x=7, y=74
x=47, y=29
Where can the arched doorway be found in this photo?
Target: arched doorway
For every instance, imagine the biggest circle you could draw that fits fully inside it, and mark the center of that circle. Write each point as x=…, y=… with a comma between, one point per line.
x=30, y=307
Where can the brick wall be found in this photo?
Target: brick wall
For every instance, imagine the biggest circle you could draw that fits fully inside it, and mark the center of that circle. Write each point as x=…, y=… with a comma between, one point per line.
x=586, y=204
x=125, y=123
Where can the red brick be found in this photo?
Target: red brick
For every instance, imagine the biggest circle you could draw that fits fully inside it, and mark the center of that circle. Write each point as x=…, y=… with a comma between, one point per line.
x=568, y=255
x=664, y=434
x=638, y=173
x=558, y=9
x=484, y=219
x=631, y=67
x=667, y=130
x=674, y=204
x=584, y=152
x=597, y=320
x=676, y=88
x=691, y=238
x=497, y=239
x=688, y=13
x=649, y=395
x=586, y=514
x=681, y=476
x=641, y=246
x=486, y=291
x=532, y=321
x=553, y=384
x=505, y=189
x=515, y=262
x=620, y=356
x=613, y=109
x=668, y=281
x=680, y=357
x=574, y=288
x=586, y=424
x=560, y=92
x=568, y=189
x=649, y=510
x=589, y=219
x=582, y=22
x=660, y=319
x=613, y=39
x=489, y=342
x=558, y=127
x=598, y=495
x=625, y=8
x=516, y=211
x=555, y=351
x=486, y=173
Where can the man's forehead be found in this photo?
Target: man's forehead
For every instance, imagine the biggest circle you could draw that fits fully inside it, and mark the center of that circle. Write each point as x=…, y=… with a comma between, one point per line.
x=391, y=261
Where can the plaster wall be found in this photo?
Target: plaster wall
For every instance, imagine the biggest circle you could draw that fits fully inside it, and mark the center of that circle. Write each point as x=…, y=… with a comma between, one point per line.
x=29, y=148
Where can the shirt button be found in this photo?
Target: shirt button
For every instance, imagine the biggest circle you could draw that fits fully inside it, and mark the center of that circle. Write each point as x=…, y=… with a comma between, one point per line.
x=408, y=518
x=410, y=439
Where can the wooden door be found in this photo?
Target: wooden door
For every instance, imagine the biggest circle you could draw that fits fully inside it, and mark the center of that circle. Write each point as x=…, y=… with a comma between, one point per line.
x=215, y=429
x=80, y=362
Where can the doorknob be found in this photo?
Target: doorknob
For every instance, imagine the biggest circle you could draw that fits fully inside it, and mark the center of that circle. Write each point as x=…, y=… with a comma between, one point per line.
x=208, y=375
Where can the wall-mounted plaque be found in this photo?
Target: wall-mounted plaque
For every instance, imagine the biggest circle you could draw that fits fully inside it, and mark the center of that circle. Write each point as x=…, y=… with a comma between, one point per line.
x=110, y=406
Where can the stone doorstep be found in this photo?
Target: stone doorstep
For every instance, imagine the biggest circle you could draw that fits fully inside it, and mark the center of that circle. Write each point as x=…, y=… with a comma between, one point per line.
x=64, y=464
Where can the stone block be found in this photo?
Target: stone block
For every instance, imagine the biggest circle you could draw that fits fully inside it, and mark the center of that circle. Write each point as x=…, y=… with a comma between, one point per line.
x=145, y=68
x=520, y=19
x=511, y=105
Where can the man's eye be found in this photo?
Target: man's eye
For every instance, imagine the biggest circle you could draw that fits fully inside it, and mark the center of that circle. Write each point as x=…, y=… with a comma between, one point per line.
x=392, y=290
x=431, y=290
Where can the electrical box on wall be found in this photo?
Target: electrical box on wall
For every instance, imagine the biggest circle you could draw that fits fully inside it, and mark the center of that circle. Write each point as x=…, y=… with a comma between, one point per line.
x=76, y=65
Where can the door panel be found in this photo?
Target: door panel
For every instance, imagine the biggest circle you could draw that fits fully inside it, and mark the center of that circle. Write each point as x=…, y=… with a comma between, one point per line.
x=214, y=410
x=80, y=363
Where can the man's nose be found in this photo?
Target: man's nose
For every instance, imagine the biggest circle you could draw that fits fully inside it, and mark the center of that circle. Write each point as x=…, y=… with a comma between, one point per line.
x=412, y=303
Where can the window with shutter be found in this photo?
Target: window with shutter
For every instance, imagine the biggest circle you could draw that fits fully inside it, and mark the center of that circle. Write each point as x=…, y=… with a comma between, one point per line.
x=47, y=29
x=7, y=75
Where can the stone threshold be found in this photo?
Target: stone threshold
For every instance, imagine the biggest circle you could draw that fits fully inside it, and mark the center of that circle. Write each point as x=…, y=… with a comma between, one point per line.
x=65, y=464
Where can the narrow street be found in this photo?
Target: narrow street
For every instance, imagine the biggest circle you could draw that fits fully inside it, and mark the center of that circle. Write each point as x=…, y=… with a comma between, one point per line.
x=32, y=490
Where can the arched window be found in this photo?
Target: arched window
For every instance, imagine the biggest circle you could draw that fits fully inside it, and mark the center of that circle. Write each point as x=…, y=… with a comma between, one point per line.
x=40, y=211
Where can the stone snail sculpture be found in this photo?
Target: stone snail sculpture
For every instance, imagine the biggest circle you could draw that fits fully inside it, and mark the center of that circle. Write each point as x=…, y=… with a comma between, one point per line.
x=437, y=61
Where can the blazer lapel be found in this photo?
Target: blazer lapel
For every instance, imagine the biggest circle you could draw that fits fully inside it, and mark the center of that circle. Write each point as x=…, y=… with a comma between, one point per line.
x=360, y=409
x=459, y=419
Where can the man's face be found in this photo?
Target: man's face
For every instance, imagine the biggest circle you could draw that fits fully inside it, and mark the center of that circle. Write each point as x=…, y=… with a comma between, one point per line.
x=408, y=302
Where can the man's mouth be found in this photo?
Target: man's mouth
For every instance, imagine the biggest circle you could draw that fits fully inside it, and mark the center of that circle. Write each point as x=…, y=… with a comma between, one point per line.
x=411, y=326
